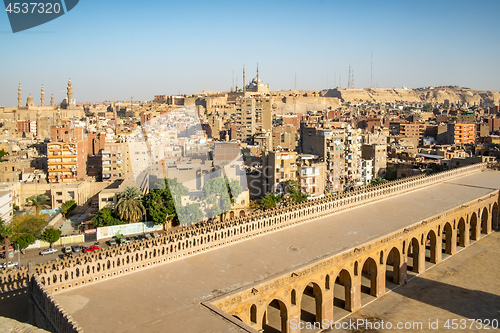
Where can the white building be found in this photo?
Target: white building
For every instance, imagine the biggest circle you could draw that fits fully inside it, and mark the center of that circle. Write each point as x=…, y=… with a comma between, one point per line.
x=6, y=206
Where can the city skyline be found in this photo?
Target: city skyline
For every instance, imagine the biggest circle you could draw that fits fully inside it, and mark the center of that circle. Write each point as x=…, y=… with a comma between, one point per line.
x=115, y=53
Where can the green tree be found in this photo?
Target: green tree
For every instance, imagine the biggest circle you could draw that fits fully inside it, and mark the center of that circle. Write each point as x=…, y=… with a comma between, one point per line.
x=38, y=202
x=2, y=154
x=294, y=193
x=15, y=207
x=6, y=231
x=270, y=200
x=24, y=241
x=51, y=235
x=28, y=225
x=219, y=193
x=190, y=214
x=105, y=217
x=129, y=206
x=67, y=207
x=160, y=201
x=377, y=181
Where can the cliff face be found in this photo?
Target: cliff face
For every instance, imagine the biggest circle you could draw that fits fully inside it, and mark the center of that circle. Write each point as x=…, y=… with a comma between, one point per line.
x=426, y=95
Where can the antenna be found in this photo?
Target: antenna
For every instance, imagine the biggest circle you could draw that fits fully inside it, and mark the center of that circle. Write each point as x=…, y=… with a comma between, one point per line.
x=371, y=69
x=349, y=78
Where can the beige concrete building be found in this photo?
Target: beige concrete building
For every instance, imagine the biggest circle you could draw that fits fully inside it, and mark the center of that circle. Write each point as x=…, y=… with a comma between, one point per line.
x=115, y=161
x=311, y=175
x=278, y=167
x=253, y=115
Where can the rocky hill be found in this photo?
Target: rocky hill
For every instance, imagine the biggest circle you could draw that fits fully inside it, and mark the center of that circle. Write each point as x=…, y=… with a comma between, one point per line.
x=422, y=95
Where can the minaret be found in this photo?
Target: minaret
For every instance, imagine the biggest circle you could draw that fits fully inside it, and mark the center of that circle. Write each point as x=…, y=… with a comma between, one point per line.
x=52, y=104
x=42, y=96
x=70, y=92
x=257, y=73
x=244, y=82
x=19, y=97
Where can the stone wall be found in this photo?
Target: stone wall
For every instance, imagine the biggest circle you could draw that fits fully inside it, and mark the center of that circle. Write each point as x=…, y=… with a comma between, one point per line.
x=46, y=313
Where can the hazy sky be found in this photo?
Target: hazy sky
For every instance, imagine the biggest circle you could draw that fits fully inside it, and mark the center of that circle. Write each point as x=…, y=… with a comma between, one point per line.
x=113, y=50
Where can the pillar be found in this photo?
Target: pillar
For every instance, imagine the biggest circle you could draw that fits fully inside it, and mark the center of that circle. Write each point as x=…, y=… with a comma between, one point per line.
x=452, y=247
x=291, y=325
x=403, y=270
x=353, y=301
x=380, y=286
x=420, y=259
x=327, y=304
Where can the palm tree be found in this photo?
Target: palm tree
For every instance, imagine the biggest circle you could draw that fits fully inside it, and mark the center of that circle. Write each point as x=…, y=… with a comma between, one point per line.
x=39, y=202
x=6, y=232
x=129, y=206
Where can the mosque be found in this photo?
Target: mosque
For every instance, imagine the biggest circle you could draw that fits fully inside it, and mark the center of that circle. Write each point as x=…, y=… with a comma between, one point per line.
x=42, y=116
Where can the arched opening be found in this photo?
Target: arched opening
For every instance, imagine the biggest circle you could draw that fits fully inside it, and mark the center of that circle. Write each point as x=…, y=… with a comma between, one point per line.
x=327, y=282
x=393, y=266
x=231, y=214
x=446, y=239
x=253, y=314
x=461, y=236
x=413, y=254
x=473, y=227
x=293, y=297
x=342, y=290
x=484, y=221
x=275, y=317
x=430, y=247
x=242, y=213
x=369, y=279
x=235, y=316
x=310, y=304
x=494, y=217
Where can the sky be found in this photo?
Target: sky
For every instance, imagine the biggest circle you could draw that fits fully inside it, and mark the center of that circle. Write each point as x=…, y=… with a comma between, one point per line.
x=118, y=50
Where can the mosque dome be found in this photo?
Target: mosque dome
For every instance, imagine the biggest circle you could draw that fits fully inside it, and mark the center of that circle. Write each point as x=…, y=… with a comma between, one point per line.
x=30, y=101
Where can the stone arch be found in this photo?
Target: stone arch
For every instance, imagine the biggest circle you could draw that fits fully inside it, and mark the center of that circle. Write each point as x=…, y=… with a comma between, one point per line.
x=485, y=227
x=393, y=265
x=414, y=256
x=447, y=239
x=369, y=277
x=473, y=227
x=430, y=247
x=293, y=297
x=231, y=214
x=242, y=213
x=462, y=237
x=327, y=282
x=494, y=217
x=343, y=290
x=275, y=317
x=311, y=302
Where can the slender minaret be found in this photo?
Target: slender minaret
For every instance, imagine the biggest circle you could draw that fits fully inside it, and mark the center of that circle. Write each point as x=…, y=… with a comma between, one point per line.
x=42, y=96
x=19, y=96
x=257, y=73
x=52, y=104
x=244, y=82
x=70, y=92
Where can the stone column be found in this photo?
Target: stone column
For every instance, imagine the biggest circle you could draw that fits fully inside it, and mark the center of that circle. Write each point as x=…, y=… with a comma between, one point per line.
x=327, y=304
x=380, y=287
x=403, y=270
x=291, y=324
x=353, y=302
x=453, y=246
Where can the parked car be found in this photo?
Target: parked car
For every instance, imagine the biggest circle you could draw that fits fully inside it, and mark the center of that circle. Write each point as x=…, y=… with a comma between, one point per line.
x=76, y=248
x=9, y=265
x=112, y=242
x=131, y=239
x=125, y=242
x=67, y=249
x=48, y=251
x=148, y=236
x=91, y=249
x=156, y=235
x=68, y=255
